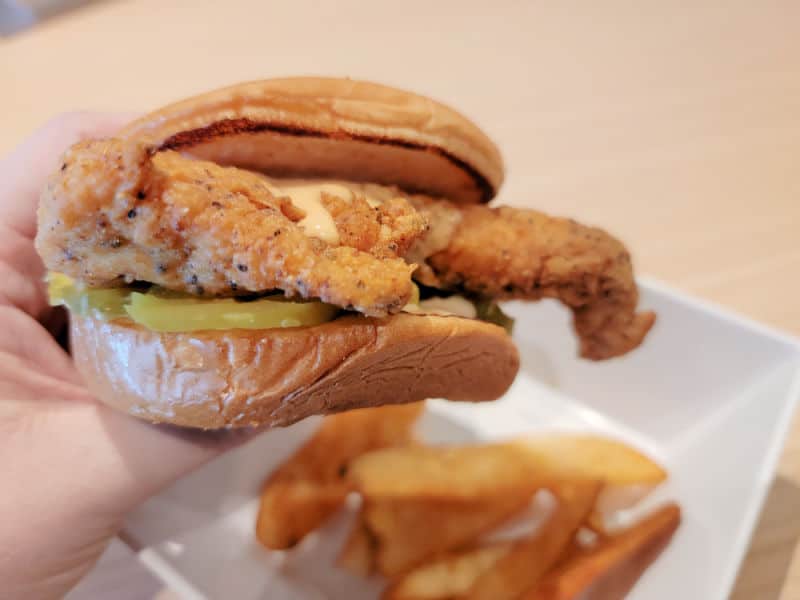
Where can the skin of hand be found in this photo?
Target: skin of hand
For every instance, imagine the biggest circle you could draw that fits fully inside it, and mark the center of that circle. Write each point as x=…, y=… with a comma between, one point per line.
x=70, y=467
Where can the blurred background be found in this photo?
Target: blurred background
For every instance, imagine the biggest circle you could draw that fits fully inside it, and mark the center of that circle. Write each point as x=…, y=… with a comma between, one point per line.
x=676, y=125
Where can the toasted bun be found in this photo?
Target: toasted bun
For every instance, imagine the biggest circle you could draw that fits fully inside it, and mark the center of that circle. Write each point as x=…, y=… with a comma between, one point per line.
x=276, y=377
x=337, y=128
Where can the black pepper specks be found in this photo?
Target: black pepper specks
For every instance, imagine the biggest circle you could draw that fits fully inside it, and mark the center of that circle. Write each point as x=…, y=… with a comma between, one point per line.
x=64, y=167
x=141, y=195
x=161, y=268
x=242, y=268
x=132, y=213
x=193, y=280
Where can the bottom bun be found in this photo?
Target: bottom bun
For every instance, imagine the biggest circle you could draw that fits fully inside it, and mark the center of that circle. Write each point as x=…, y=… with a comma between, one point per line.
x=275, y=377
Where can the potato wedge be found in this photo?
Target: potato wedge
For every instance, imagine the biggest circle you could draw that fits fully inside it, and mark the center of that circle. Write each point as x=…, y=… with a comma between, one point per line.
x=409, y=531
x=312, y=484
x=358, y=553
x=573, y=457
x=444, y=472
x=471, y=472
x=609, y=570
x=530, y=558
x=448, y=577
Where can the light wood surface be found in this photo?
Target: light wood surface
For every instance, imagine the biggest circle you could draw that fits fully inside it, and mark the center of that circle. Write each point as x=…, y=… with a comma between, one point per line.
x=674, y=124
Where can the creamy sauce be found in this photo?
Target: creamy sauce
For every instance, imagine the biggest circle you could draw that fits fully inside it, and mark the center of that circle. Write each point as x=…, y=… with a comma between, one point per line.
x=318, y=222
x=306, y=194
x=454, y=305
x=443, y=221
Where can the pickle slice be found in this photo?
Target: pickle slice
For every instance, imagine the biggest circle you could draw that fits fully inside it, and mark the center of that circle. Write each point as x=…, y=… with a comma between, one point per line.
x=196, y=314
x=104, y=303
x=414, y=294
x=490, y=311
x=166, y=311
x=58, y=287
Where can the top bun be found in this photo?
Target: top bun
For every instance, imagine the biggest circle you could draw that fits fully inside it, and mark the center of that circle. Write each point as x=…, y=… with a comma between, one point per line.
x=335, y=128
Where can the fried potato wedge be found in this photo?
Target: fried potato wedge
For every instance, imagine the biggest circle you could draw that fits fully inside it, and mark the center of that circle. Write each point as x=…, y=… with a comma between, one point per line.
x=312, y=484
x=610, y=569
x=531, y=557
x=407, y=532
x=450, y=576
x=470, y=472
x=574, y=457
x=358, y=551
x=444, y=472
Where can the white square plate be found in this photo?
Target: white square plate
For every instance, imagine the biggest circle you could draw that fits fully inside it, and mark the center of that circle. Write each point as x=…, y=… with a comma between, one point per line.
x=709, y=394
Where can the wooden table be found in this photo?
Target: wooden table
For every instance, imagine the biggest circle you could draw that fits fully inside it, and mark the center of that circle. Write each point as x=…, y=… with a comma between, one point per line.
x=676, y=127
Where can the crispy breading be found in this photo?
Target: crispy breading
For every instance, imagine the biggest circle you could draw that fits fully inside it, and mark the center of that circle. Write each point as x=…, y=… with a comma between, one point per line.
x=116, y=213
x=385, y=230
x=509, y=253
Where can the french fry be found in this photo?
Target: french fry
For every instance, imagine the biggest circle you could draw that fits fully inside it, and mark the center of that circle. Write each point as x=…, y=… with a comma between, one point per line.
x=609, y=570
x=471, y=472
x=614, y=499
x=448, y=577
x=450, y=473
x=596, y=523
x=425, y=508
x=530, y=558
x=312, y=484
x=575, y=457
x=358, y=552
x=407, y=532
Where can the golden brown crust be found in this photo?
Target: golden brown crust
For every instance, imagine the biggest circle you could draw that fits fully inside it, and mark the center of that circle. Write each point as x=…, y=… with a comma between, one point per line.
x=385, y=231
x=509, y=253
x=279, y=376
x=115, y=213
x=327, y=127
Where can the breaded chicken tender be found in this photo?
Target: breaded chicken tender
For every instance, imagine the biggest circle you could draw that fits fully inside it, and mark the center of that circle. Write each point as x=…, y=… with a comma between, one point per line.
x=116, y=213
x=390, y=234
x=509, y=253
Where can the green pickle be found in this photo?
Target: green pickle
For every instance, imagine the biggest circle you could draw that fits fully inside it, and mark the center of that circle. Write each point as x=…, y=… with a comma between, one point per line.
x=414, y=294
x=165, y=311
x=195, y=314
x=103, y=303
x=490, y=311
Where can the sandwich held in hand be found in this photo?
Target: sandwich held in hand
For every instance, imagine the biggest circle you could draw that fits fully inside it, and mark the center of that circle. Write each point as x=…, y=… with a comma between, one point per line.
x=290, y=247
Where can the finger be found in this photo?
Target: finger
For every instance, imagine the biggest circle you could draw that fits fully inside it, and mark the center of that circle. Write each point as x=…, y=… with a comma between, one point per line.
x=43, y=399
x=23, y=174
x=122, y=460
x=74, y=469
x=30, y=342
x=25, y=170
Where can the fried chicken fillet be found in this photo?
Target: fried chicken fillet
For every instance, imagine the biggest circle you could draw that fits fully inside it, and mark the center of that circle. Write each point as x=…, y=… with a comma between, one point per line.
x=510, y=253
x=116, y=213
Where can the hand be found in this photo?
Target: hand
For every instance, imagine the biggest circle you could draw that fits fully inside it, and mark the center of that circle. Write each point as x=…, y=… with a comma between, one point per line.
x=70, y=468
